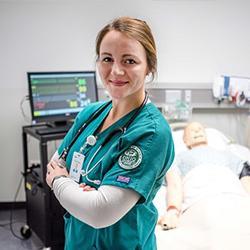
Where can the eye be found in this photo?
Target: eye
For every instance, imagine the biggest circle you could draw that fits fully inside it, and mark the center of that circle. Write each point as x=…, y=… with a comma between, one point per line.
x=107, y=59
x=130, y=61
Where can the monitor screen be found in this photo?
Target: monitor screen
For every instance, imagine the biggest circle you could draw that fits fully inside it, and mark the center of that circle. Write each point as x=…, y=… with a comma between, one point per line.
x=59, y=96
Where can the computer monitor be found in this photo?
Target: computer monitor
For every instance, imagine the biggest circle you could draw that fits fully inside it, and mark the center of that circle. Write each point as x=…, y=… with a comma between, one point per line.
x=57, y=97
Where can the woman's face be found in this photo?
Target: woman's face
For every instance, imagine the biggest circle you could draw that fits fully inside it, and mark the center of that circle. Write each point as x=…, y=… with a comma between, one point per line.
x=122, y=65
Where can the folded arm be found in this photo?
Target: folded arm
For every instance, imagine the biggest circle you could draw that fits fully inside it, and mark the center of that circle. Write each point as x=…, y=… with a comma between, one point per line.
x=99, y=208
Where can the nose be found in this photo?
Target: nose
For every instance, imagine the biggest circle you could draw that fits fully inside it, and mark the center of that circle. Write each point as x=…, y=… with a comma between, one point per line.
x=117, y=69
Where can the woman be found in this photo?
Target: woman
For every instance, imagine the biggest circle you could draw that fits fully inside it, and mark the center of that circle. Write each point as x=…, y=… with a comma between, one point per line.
x=117, y=155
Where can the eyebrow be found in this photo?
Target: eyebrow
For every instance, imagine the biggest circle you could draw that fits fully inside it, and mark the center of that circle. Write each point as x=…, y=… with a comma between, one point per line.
x=106, y=53
x=128, y=55
x=125, y=55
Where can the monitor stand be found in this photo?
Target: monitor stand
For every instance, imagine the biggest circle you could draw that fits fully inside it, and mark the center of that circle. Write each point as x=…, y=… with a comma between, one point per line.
x=55, y=127
x=59, y=124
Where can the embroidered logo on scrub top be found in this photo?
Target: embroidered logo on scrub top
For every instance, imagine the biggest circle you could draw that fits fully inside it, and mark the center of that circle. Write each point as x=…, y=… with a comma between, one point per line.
x=131, y=158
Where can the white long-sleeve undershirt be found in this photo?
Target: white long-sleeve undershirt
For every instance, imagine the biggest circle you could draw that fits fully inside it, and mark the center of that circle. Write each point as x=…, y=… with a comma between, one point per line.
x=99, y=208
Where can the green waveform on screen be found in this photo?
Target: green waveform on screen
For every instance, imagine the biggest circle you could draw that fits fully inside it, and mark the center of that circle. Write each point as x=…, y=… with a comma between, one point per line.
x=57, y=89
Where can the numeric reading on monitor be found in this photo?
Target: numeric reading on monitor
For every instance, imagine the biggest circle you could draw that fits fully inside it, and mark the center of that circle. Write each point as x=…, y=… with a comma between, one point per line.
x=59, y=96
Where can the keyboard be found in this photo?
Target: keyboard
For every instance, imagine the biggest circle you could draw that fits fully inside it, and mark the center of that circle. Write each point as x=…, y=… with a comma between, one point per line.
x=52, y=130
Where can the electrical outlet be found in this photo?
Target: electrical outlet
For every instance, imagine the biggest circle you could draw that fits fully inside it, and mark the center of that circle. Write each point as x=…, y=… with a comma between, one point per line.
x=188, y=96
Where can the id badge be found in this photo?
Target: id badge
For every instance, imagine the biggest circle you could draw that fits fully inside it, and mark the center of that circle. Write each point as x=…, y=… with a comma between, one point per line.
x=76, y=166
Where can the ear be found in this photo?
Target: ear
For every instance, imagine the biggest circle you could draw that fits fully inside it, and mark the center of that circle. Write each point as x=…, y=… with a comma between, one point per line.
x=148, y=78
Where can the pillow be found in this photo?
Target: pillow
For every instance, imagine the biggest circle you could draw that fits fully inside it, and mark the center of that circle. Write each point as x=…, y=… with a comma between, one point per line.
x=241, y=151
x=215, y=139
x=178, y=141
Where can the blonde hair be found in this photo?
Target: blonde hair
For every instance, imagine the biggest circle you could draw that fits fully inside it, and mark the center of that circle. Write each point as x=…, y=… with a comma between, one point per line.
x=136, y=29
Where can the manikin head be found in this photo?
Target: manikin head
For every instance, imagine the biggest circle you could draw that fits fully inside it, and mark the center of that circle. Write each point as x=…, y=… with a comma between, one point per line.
x=194, y=135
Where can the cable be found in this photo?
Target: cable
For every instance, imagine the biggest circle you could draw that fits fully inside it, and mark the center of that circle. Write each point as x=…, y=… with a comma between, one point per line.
x=5, y=224
x=26, y=118
x=11, y=222
x=11, y=219
x=11, y=211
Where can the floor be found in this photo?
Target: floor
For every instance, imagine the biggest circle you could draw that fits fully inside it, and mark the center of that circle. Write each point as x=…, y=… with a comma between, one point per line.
x=10, y=242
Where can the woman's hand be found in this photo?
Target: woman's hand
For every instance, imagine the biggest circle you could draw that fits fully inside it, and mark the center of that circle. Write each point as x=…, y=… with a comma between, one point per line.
x=86, y=187
x=169, y=220
x=54, y=169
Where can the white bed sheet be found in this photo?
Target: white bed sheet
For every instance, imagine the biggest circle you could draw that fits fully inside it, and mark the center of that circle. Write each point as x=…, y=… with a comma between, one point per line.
x=221, y=227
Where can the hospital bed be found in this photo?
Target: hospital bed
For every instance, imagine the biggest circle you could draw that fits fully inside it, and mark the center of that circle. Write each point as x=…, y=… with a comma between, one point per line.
x=190, y=237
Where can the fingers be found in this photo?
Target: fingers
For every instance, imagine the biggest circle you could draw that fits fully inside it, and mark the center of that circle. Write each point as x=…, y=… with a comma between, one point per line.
x=167, y=227
x=169, y=221
x=49, y=169
x=54, y=166
x=164, y=227
x=53, y=170
x=86, y=187
x=49, y=177
x=165, y=224
x=51, y=166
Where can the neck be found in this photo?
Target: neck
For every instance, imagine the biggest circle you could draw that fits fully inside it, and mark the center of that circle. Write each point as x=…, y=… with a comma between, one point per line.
x=121, y=107
x=124, y=106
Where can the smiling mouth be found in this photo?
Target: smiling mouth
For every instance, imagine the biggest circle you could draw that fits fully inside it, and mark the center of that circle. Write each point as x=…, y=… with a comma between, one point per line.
x=118, y=82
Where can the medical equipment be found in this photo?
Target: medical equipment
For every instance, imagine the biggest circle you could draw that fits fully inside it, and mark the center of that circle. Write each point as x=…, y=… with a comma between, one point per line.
x=91, y=139
x=233, y=88
x=71, y=92
x=44, y=212
x=177, y=105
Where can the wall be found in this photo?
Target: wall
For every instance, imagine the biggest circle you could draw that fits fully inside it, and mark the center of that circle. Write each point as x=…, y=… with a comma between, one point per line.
x=196, y=40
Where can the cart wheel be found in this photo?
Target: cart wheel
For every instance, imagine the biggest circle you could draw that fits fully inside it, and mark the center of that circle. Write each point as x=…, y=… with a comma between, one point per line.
x=25, y=231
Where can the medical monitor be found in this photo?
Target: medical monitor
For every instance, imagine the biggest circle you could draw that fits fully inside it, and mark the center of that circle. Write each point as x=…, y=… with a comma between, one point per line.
x=57, y=97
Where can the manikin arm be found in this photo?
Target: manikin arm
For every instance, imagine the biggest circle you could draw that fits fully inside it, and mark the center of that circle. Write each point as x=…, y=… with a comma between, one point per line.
x=245, y=181
x=174, y=200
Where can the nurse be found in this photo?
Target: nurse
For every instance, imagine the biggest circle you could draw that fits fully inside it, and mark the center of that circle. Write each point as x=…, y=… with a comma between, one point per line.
x=119, y=150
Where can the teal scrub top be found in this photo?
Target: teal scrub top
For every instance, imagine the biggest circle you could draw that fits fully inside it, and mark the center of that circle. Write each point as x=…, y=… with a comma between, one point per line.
x=137, y=159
